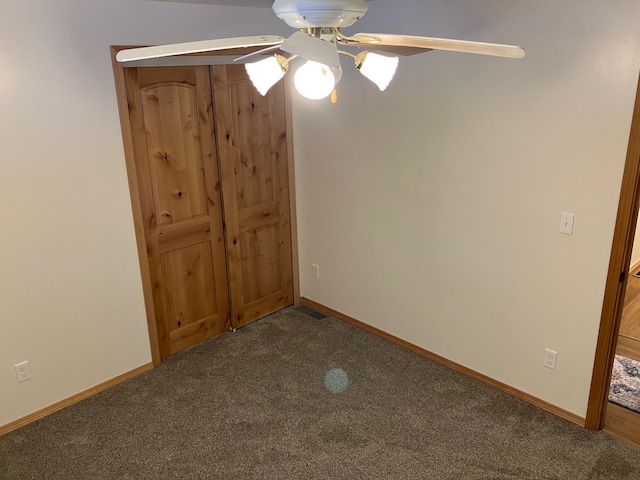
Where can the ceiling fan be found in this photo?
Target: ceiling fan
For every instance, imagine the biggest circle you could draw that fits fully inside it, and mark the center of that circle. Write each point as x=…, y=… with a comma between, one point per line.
x=317, y=41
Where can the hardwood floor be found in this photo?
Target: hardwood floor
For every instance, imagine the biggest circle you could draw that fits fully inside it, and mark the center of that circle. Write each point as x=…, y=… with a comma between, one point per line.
x=621, y=422
x=629, y=347
x=630, y=327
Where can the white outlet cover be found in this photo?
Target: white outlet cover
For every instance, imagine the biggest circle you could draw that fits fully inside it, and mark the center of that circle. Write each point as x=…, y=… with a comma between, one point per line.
x=22, y=371
x=550, y=358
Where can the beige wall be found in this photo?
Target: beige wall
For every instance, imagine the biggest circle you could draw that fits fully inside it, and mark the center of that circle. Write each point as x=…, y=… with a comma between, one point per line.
x=70, y=293
x=433, y=208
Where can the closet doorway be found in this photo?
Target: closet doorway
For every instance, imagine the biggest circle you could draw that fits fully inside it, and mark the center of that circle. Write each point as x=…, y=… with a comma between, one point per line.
x=209, y=174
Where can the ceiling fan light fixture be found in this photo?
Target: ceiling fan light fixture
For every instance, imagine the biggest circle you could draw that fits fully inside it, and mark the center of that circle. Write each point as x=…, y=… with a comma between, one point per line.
x=377, y=68
x=314, y=81
x=267, y=72
x=317, y=39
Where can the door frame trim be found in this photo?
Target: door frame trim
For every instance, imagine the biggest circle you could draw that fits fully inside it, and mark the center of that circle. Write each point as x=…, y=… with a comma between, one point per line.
x=134, y=191
x=616, y=283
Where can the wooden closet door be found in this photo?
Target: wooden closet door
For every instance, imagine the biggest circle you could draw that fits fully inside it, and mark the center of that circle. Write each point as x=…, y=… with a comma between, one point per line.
x=252, y=145
x=171, y=116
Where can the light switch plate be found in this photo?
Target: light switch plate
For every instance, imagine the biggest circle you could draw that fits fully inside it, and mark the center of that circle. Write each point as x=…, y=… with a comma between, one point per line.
x=566, y=223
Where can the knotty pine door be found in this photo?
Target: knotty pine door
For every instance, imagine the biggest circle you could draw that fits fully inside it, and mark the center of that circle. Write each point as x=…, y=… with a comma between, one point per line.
x=252, y=145
x=212, y=264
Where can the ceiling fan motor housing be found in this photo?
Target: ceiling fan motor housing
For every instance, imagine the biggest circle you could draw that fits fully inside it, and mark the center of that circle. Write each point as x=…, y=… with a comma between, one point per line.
x=319, y=13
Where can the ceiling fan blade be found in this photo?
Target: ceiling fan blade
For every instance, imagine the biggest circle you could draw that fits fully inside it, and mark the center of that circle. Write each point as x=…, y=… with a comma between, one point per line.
x=428, y=43
x=262, y=51
x=402, y=51
x=312, y=48
x=144, y=53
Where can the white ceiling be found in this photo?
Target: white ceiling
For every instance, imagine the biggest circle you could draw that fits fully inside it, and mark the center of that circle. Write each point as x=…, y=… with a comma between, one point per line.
x=233, y=3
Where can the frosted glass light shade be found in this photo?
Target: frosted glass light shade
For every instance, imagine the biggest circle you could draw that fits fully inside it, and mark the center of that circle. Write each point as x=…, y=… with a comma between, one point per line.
x=377, y=68
x=266, y=73
x=314, y=80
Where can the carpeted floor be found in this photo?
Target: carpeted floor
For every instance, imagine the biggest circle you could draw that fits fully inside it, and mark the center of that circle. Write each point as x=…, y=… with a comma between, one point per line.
x=258, y=404
x=625, y=383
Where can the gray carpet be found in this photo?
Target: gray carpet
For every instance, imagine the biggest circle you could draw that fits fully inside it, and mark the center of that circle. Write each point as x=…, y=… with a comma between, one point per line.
x=254, y=405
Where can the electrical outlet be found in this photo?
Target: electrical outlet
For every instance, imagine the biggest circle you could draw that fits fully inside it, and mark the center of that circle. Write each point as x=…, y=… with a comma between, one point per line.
x=22, y=371
x=550, y=358
x=316, y=270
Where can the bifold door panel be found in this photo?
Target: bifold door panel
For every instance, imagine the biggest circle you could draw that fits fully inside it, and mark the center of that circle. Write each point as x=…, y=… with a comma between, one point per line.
x=252, y=144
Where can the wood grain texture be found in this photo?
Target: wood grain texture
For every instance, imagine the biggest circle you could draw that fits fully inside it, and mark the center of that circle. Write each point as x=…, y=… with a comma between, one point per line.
x=173, y=141
x=623, y=423
x=613, y=303
x=189, y=287
x=254, y=170
x=628, y=347
x=171, y=118
x=630, y=322
x=261, y=275
x=514, y=392
x=43, y=412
